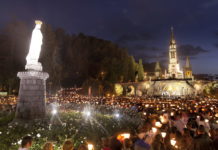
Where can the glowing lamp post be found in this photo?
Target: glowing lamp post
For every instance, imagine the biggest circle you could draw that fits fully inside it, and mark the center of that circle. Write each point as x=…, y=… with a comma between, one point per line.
x=88, y=113
x=117, y=115
x=54, y=112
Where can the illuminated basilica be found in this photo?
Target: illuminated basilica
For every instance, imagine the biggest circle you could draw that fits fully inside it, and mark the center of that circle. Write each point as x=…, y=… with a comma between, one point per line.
x=174, y=71
x=174, y=66
x=174, y=81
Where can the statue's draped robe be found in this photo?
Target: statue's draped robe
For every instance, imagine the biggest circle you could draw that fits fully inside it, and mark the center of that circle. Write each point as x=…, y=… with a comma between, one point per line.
x=35, y=46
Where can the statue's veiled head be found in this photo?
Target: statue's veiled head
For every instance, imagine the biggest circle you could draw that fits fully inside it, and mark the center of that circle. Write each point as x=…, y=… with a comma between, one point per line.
x=38, y=23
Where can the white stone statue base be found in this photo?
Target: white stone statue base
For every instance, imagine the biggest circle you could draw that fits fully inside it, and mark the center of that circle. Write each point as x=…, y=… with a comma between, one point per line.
x=32, y=93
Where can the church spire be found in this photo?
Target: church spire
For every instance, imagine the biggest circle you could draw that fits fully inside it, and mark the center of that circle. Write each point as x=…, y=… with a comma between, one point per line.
x=157, y=66
x=172, y=39
x=187, y=64
x=173, y=67
x=157, y=70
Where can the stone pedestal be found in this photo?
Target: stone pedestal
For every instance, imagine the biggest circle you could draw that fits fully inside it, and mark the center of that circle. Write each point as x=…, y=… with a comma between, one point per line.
x=32, y=93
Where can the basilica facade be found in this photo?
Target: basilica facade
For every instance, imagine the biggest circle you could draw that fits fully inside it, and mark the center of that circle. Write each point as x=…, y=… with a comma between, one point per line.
x=174, y=70
x=173, y=81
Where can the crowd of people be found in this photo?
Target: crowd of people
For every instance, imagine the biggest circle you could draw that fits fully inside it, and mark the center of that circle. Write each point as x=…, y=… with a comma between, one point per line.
x=167, y=123
x=150, y=136
x=28, y=140
x=8, y=103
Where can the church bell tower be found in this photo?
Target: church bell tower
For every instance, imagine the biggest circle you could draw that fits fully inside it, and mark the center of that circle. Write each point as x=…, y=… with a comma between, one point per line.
x=157, y=70
x=174, y=67
x=188, y=69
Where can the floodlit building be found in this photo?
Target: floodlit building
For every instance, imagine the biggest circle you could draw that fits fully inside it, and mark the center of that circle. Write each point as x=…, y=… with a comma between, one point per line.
x=173, y=71
x=172, y=82
x=173, y=66
x=188, y=69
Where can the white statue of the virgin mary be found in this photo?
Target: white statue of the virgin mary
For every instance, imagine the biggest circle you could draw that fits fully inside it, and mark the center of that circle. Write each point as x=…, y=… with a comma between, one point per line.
x=35, y=48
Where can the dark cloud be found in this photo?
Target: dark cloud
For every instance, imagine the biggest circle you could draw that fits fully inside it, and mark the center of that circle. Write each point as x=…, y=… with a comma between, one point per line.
x=145, y=57
x=150, y=56
x=138, y=45
x=190, y=50
x=146, y=52
x=186, y=50
x=160, y=55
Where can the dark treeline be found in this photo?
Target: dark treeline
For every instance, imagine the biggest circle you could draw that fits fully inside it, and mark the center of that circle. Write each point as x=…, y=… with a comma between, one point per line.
x=70, y=60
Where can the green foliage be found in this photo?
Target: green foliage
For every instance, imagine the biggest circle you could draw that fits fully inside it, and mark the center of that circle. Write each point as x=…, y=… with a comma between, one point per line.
x=6, y=118
x=69, y=59
x=132, y=68
x=77, y=128
x=140, y=70
x=50, y=56
x=13, y=49
x=211, y=89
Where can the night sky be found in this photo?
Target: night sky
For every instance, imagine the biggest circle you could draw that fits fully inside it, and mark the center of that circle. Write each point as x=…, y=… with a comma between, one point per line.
x=141, y=25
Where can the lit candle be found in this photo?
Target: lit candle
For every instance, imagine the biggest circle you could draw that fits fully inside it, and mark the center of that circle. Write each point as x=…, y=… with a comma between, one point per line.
x=154, y=130
x=163, y=134
x=158, y=124
x=126, y=135
x=172, y=114
x=90, y=147
x=173, y=142
x=206, y=120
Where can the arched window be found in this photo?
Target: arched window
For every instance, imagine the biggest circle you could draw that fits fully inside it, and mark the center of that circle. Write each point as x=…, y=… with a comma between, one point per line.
x=172, y=54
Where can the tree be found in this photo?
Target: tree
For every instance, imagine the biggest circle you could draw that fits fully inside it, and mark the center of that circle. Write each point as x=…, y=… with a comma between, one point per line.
x=140, y=70
x=14, y=40
x=50, y=57
x=69, y=59
x=132, y=69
